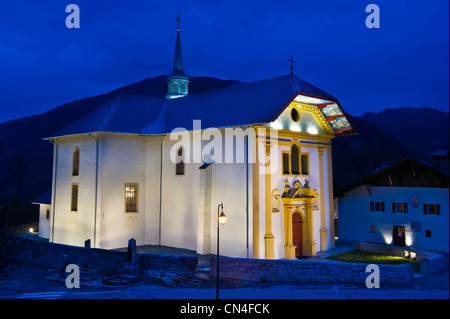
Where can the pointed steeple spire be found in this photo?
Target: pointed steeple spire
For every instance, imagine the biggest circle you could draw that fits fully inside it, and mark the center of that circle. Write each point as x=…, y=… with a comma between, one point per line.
x=178, y=81
x=178, y=59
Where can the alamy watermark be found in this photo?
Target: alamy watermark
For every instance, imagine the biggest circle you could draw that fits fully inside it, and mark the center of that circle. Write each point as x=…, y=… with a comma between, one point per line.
x=373, y=19
x=73, y=19
x=226, y=145
x=73, y=279
x=373, y=279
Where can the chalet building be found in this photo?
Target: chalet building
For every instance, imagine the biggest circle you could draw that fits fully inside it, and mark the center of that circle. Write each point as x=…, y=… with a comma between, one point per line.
x=403, y=203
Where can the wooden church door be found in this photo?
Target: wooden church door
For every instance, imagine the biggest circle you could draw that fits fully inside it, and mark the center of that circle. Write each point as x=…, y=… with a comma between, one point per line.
x=297, y=233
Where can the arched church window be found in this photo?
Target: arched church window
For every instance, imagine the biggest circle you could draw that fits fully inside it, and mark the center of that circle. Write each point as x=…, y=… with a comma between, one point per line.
x=179, y=166
x=295, y=167
x=76, y=162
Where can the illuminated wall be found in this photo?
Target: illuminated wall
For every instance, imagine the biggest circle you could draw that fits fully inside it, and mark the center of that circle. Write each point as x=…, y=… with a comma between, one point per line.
x=356, y=219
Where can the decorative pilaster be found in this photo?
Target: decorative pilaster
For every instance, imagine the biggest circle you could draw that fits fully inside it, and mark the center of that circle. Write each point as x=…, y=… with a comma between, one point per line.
x=268, y=236
x=289, y=247
x=323, y=229
x=310, y=246
x=330, y=196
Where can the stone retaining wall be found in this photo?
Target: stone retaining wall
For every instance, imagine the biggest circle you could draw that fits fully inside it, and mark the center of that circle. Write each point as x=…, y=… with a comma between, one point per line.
x=429, y=262
x=99, y=259
x=307, y=271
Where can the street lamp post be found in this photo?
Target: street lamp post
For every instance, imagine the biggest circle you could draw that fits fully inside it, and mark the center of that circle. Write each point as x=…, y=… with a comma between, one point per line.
x=221, y=218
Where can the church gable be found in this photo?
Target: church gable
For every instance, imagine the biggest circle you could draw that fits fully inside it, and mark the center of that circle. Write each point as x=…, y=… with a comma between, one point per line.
x=300, y=117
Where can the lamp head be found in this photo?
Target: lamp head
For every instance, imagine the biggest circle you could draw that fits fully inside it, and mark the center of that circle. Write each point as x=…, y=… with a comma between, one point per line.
x=222, y=218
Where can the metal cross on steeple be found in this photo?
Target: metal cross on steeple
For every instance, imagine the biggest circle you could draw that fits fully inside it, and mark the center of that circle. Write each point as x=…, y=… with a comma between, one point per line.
x=178, y=18
x=292, y=64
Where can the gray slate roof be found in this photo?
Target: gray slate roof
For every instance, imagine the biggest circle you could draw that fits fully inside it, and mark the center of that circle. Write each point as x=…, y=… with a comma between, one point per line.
x=251, y=103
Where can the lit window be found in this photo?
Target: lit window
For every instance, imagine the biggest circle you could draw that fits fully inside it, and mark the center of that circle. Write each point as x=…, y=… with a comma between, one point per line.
x=400, y=207
x=131, y=198
x=373, y=229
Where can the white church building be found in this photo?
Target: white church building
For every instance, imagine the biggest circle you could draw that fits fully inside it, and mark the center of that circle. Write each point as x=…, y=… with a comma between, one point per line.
x=157, y=170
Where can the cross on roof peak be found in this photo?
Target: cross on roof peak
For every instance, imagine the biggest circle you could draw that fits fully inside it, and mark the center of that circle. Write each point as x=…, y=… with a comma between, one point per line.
x=292, y=64
x=178, y=19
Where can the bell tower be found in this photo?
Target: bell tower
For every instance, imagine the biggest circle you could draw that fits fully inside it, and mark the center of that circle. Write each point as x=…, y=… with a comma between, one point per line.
x=177, y=81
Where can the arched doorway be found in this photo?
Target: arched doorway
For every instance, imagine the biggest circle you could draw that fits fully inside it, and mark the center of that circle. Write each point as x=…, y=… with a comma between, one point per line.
x=297, y=233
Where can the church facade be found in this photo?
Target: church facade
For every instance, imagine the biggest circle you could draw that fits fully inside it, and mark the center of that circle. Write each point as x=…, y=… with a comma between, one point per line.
x=159, y=170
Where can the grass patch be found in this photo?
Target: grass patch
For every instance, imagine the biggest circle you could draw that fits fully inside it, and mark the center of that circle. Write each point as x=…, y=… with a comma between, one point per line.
x=358, y=256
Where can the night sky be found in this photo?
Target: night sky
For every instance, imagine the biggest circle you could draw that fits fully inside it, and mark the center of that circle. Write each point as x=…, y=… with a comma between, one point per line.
x=405, y=62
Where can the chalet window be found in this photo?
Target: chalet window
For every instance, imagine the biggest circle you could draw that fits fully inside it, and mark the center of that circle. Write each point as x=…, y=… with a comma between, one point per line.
x=373, y=229
x=47, y=214
x=74, y=198
x=377, y=206
x=75, y=161
x=179, y=166
x=428, y=233
x=431, y=209
x=304, y=164
x=400, y=208
x=295, y=165
x=131, y=198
